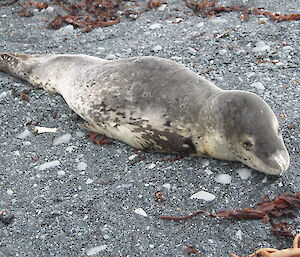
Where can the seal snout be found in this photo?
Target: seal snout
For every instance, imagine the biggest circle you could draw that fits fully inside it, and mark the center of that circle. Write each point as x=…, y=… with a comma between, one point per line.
x=280, y=161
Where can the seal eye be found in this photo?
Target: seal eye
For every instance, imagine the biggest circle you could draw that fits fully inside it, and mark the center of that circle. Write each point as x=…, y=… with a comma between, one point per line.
x=247, y=145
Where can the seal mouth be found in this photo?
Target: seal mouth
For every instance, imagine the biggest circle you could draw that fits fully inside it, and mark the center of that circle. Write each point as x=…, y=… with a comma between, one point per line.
x=276, y=164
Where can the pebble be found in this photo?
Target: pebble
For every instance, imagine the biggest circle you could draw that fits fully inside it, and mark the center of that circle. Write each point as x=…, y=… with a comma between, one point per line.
x=151, y=166
x=205, y=163
x=249, y=74
x=258, y=85
x=244, y=173
x=80, y=134
x=95, y=250
x=260, y=46
x=167, y=186
x=69, y=29
x=9, y=192
x=61, y=173
x=110, y=57
x=3, y=95
x=106, y=237
x=218, y=20
x=155, y=26
x=81, y=166
x=49, y=9
x=238, y=234
x=131, y=157
x=285, y=49
x=26, y=133
x=16, y=153
x=176, y=58
x=63, y=139
x=203, y=195
x=89, y=181
x=26, y=143
x=208, y=171
x=141, y=212
x=223, y=179
x=200, y=24
x=157, y=48
x=48, y=165
x=71, y=148
x=162, y=7
x=192, y=50
x=222, y=51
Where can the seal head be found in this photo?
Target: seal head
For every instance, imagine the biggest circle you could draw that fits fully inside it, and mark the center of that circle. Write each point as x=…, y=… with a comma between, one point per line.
x=249, y=130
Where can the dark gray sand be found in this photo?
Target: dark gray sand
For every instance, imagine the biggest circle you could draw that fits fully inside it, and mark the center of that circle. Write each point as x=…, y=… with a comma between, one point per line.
x=89, y=195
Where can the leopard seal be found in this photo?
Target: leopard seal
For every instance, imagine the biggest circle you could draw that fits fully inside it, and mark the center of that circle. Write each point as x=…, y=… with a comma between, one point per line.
x=155, y=104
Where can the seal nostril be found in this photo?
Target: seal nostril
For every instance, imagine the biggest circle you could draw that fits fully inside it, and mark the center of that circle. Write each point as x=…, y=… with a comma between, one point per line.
x=248, y=145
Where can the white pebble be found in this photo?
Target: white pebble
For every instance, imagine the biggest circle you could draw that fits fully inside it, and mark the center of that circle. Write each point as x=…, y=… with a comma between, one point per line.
x=176, y=58
x=141, y=212
x=222, y=51
x=70, y=148
x=26, y=133
x=167, y=186
x=238, y=234
x=203, y=195
x=26, y=143
x=49, y=9
x=9, y=191
x=208, y=171
x=205, y=163
x=110, y=57
x=200, y=24
x=63, y=139
x=69, y=29
x=16, y=153
x=265, y=180
x=249, y=74
x=260, y=46
x=151, y=166
x=3, y=95
x=155, y=26
x=106, y=237
x=192, y=50
x=287, y=48
x=61, y=173
x=95, y=250
x=131, y=157
x=157, y=48
x=89, y=181
x=218, y=20
x=244, y=173
x=81, y=166
x=48, y=165
x=162, y=8
x=258, y=85
x=223, y=179
x=80, y=134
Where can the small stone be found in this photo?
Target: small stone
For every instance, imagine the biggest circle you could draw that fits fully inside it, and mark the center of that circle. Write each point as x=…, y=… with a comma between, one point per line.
x=223, y=179
x=81, y=166
x=110, y=57
x=249, y=74
x=26, y=133
x=203, y=195
x=205, y=163
x=7, y=218
x=61, y=173
x=80, y=134
x=167, y=186
x=141, y=212
x=155, y=26
x=131, y=157
x=26, y=143
x=244, y=173
x=16, y=153
x=151, y=166
x=89, y=181
x=157, y=48
x=63, y=139
x=218, y=20
x=49, y=9
x=265, y=180
x=3, y=95
x=238, y=234
x=69, y=29
x=200, y=24
x=192, y=50
x=48, y=165
x=260, y=46
x=70, y=148
x=258, y=85
x=222, y=51
x=285, y=49
x=96, y=250
x=176, y=58
x=162, y=8
x=106, y=237
x=208, y=171
x=9, y=191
